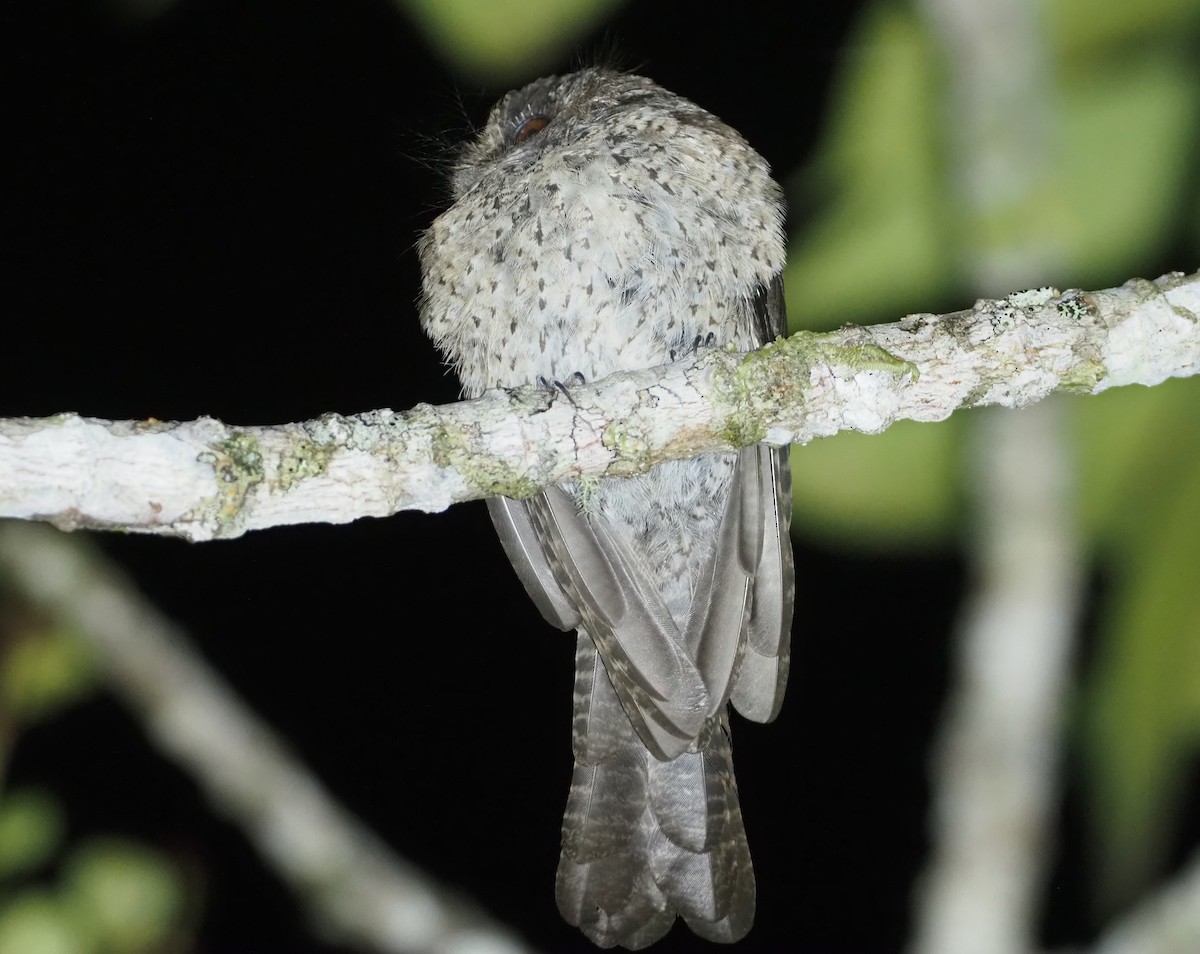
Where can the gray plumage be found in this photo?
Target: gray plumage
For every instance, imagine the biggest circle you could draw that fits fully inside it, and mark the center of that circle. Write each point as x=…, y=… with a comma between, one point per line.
x=601, y=223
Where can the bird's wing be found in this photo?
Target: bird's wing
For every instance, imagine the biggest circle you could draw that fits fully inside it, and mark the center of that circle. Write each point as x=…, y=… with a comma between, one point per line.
x=769, y=316
x=762, y=672
x=580, y=572
x=520, y=541
x=748, y=586
x=740, y=626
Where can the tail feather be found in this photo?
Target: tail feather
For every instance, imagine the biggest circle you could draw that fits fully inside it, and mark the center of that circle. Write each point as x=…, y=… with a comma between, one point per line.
x=705, y=869
x=600, y=727
x=634, y=919
x=646, y=840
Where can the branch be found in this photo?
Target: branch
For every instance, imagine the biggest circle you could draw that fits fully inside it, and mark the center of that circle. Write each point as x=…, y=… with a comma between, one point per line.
x=204, y=479
x=358, y=890
x=1168, y=922
x=995, y=765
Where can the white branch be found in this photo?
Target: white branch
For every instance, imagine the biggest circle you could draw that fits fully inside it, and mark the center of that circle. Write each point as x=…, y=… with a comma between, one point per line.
x=994, y=767
x=1168, y=922
x=358, y=890
x=995, y=764
x=204, y=479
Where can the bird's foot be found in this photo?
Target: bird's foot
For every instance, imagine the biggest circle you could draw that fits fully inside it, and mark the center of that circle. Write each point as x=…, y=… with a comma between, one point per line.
x=561, y=387
x=700, y=341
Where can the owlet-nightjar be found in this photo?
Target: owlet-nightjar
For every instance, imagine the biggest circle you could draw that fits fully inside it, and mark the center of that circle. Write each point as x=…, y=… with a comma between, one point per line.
x=601, y=223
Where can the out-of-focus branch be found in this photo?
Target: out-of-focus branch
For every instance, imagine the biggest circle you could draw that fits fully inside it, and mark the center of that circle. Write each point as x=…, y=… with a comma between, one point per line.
x=995, y=765
x=204, y=479
x=357, y=890
x=995, y=768
x=1168, y=922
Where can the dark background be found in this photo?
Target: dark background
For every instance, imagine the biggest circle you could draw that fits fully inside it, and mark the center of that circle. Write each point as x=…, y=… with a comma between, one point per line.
x=214, y=213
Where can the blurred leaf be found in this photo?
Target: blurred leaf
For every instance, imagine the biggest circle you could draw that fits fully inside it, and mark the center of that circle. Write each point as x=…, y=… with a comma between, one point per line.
x=129, y=896
x=1127, y=134
x=503, y=39
x=1126, y=128
x=34, y=923
x=878, y=238
x=1085, y=28
x=895, y=489
x=1143, y=717
x=1129, y=442
x=43, y=670
x=31, y=828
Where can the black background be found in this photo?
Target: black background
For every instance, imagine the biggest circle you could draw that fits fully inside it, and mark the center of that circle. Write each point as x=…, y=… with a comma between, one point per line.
x=214, y=213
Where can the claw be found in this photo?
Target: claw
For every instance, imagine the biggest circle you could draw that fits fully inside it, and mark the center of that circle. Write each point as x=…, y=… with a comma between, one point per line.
x=700, y=341
x=574, y=380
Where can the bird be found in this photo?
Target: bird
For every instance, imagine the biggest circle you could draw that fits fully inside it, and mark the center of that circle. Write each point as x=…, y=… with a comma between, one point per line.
x=601, y=223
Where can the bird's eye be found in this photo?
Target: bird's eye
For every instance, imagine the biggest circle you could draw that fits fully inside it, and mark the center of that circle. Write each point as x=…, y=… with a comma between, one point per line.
x=531, y=127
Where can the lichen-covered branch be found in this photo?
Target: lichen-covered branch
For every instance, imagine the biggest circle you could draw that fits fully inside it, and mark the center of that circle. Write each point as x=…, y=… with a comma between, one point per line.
x=204, y=479
x=994, y=770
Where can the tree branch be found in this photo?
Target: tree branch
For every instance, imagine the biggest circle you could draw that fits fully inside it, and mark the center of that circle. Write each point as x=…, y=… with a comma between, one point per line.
x=996, y=759
x=204, y=479
x=1166, y=922
x=359, y=892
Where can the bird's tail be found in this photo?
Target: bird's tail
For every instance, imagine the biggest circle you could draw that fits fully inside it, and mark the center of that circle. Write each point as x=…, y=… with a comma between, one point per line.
x=644, y=840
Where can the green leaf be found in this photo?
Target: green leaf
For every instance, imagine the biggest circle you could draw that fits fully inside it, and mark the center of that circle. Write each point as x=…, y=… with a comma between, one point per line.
x=502, y=39
x=1127, y=138
x=876, y=241
x=1087, y=28
x=129, y=896
x=31, y=828
x=891, y=490
x=1142, y=720
x=43, y=670
x=1129, y=446
x=34, y=923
